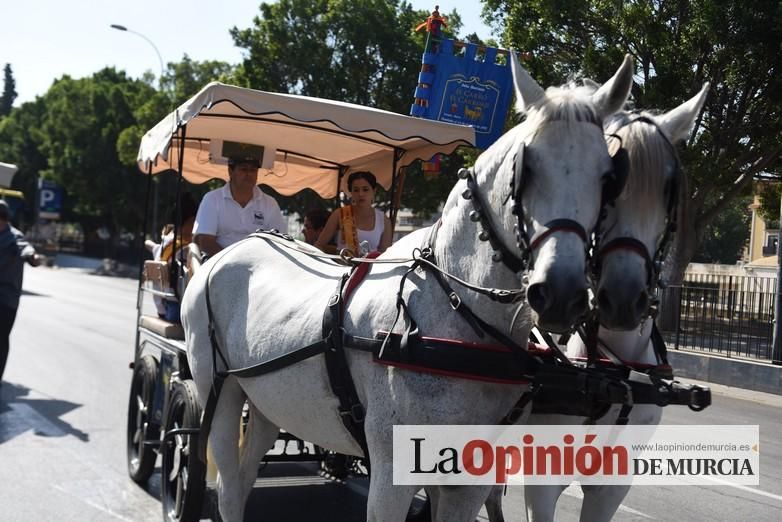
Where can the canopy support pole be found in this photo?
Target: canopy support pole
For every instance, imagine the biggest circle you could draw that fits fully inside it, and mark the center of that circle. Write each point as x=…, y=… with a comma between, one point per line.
x=143, y=233
x=397, y=182
x=175, y=268
x=340, y=175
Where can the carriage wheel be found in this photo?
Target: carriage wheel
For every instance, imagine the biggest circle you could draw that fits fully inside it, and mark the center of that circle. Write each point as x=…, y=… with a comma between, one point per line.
x=182, y=473
x=141, y=456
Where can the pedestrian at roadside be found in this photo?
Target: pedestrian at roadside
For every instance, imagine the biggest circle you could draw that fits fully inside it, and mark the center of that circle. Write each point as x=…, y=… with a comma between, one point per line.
x=228, y=214
x=14, y=251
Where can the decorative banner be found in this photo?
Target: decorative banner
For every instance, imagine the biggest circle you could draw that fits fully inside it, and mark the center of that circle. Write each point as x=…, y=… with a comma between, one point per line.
x=49, y=200
x=466, y=88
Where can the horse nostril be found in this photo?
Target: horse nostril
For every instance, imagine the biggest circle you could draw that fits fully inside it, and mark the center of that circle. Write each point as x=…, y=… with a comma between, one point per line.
x=580, y=303
x=603, y=301
x=642, y=304
x=537, y=296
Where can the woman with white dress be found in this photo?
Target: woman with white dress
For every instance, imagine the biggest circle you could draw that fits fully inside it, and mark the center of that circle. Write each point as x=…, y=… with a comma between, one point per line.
x=359, y=227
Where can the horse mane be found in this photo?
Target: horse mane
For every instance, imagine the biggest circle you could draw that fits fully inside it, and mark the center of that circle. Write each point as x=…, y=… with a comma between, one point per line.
x=648, y=151
x=569, y=103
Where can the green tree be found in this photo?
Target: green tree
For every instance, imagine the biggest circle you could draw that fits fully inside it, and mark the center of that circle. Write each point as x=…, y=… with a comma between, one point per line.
x=20, y=141
x=728, y=234
x=9, y=91
x=80, y=127
x=677, y=45
x=185, y=78
x=357, y=51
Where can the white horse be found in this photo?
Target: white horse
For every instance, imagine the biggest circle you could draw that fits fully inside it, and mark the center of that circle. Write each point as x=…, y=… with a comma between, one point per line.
x=642, y=213
x=267, y=299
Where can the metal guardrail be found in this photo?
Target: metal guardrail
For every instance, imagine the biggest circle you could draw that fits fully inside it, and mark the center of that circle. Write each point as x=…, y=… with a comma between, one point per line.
x=727, y=315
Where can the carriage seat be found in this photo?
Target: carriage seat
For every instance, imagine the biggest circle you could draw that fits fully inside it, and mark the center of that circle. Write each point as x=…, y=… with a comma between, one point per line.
x=162, y=327
x=156, y=272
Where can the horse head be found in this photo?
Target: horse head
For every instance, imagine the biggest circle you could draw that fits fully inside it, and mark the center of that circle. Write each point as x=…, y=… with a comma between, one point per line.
x=639, y=224
x=551, y=168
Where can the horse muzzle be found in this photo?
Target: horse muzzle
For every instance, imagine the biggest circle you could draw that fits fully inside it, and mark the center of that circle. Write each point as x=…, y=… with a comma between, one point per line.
x=558, y=302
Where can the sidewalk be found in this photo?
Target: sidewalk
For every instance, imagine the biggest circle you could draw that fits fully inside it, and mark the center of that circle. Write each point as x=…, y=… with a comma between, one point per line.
x=95, y=266
x=769, y=399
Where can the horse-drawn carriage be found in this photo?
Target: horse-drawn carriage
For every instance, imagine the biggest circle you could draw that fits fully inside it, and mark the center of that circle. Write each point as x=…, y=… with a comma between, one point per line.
x=437, y=332
x=308, y=143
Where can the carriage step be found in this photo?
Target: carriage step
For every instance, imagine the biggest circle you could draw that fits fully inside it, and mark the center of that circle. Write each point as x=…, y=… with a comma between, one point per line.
x=296, y=457
x=284, y=435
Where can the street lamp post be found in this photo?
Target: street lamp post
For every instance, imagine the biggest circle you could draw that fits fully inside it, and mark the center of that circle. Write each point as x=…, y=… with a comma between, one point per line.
x=119, y=27
x=160, y=58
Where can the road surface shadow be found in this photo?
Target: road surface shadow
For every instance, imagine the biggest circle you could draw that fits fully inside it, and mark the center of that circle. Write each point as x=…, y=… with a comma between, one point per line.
x=19, y=414
x=293, y=492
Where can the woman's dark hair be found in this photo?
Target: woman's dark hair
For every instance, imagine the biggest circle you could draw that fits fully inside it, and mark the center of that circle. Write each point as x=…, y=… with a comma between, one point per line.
x=318, y=217
x=187, y=208
x=362, y=174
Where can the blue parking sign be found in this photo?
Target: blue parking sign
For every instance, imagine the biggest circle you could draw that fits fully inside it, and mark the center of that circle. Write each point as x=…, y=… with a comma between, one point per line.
x=49, y=200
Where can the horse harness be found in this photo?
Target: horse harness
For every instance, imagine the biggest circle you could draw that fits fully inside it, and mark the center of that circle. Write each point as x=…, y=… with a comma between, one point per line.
x=546, y=371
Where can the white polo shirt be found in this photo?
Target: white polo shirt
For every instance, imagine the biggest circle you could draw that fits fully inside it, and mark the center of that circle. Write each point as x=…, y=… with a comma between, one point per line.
x=220, y=215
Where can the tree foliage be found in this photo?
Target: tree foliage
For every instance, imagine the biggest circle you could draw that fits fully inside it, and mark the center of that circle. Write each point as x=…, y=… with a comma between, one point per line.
x=81, y=124
x=728, y=234
x=9, y=91
x=84, y=134
x=357, y=51
x=677, y=45
x=20, y=138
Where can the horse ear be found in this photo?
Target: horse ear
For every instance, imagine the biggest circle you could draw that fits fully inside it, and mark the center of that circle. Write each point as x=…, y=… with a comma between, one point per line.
x=527, y=90
x=613, y=94
x=592, y=84
x=677, y=123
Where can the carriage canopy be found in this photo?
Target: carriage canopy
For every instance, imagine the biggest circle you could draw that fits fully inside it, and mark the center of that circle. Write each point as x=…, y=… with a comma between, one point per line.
x=307, y=141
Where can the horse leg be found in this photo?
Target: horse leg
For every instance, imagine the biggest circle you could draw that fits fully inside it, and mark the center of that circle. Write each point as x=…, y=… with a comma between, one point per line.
x=234, y=470
x=601, y=502
x=387, y=502
x=541, y=502
x=460, y=503
x=258, y=439
x=494, y=504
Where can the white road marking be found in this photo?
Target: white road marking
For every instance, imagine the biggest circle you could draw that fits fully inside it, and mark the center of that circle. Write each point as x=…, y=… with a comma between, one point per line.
x=91, y=503
x=745, y=488
x=574, y=490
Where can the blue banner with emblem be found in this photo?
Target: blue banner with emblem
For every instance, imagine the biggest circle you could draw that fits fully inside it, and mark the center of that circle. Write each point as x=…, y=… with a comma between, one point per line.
x=465, y=84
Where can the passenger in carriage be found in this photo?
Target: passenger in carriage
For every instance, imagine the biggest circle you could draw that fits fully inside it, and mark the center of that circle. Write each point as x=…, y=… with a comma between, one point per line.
x=359, y=227
x=228, y=214
x=164, y=251
x=314, y=221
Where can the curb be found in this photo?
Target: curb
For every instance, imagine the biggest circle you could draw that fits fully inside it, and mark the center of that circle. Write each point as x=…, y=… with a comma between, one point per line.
x=736, y=373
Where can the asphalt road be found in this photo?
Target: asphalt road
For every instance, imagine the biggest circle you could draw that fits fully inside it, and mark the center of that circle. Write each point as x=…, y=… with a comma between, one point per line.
x=62, y=429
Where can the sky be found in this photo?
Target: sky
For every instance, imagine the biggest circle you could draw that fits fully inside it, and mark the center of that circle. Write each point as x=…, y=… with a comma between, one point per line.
x=46, y=39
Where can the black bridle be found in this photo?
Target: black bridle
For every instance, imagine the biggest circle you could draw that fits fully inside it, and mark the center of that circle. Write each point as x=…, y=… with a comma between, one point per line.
x=525, y=245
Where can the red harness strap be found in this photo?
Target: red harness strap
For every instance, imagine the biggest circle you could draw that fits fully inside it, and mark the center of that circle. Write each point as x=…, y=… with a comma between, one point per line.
x=357, y=276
